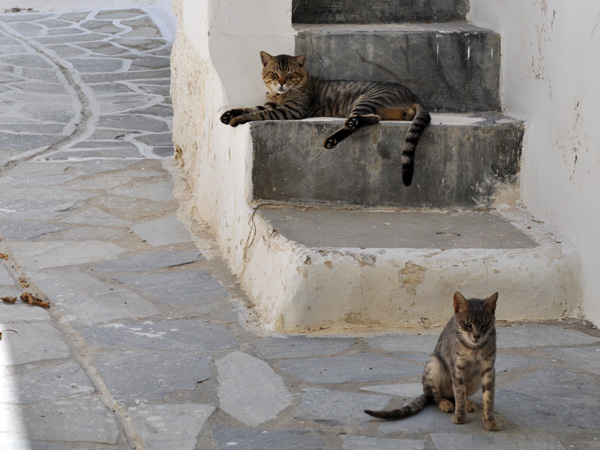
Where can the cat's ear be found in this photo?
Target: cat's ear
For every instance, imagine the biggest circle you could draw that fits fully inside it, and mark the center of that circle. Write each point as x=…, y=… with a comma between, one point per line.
x=300, y=59
x=266, y=58
x=460, y=303
x=490, y=302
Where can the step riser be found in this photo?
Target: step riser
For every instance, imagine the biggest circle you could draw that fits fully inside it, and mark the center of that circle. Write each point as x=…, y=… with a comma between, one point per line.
x=300, y=289
x=449, y=71
x=377, y=11
x=455, y=166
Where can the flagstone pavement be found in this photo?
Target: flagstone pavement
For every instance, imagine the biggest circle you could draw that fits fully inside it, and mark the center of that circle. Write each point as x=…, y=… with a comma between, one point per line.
x=148, y=342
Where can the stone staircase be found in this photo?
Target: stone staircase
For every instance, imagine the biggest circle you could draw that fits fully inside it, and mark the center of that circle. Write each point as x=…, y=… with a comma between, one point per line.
x=334, y=241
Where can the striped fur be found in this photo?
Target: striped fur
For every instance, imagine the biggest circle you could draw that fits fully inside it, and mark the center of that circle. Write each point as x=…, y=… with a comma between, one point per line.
x=461, y=363
x=293, y=94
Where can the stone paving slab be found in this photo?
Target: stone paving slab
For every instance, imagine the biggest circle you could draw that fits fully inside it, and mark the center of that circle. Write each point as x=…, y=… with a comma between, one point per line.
x=157, y=373
x=149, y=342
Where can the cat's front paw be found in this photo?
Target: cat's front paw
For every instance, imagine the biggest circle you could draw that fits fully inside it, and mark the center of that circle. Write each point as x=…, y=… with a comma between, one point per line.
x=226, y=117
x=330, y=142
x=492, y=425
x=446, y=406
x=458, y=419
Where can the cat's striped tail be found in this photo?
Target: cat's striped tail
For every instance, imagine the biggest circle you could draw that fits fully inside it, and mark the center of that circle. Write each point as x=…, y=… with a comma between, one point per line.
x=417, y=126
x=406, y=411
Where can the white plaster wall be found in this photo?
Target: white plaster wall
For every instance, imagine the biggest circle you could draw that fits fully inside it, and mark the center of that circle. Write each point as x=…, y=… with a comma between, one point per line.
x=550, y=73
x=216, y=66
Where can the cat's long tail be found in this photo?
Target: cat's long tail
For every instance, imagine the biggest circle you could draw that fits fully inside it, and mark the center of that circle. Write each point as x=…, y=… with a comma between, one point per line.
x=417, y=126
x=406, y=411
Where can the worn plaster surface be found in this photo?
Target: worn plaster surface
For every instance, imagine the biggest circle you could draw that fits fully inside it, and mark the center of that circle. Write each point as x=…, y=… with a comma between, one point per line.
x=149, y=343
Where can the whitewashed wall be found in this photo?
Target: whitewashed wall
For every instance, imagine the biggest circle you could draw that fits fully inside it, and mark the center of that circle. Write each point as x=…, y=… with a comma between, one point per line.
x=550, y=78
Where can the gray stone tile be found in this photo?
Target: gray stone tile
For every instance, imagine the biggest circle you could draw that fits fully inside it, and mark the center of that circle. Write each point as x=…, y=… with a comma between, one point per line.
x=430, y=420
x=586, y=358
x=188, y=335
x=131, y=121
x=367, y=443
x=17, y=210
x=108, y=153
x=494, y=441
x=505, y=363
x=32, y=342
x=19, y=311
x=43, y=384
x=22, y=143
x=140, y=375
x=33, y=173
x=338, y=408
x=540, y=335
x=363, y=367
x=16, y=443
x=120, y=14
x=98, y=65
x=76, y=419
x=551, y=399
x=301, y=346
x=6, y=278
x=158, y=192
x=83, y=299
x=118, y=103
x=151, y=261
x=164, y=231
x=170, y=426
x=93, y=234
x=405, y=390
x=179, y=289
x=402, y=342
x=97, y=166
x=50, y=198
x=248, y=439
x=95, y=217
x=21, y=230
x=132, y=208
x=44, y=255
x=263, y=402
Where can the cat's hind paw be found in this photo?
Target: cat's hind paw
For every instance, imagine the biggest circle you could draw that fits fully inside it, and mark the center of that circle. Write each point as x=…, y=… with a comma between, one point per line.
x=330, y=142
x=471, y=407
x=446, y=406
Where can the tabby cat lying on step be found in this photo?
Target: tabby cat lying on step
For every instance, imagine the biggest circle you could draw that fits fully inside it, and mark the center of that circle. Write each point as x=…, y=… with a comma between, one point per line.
x=294, y=94
x=462, y=362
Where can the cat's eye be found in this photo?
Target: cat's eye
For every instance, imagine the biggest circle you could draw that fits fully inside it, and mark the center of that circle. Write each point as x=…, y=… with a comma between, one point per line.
x=467, y=324
x=274, y=75
x=485, y=325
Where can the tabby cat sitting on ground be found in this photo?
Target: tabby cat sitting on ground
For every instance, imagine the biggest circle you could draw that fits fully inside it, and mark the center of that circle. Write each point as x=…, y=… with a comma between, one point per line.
x=294, y=94
x=462, y=362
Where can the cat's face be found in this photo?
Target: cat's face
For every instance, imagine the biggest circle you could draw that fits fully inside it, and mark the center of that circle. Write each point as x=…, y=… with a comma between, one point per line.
x=283, y=72
x=474, y=318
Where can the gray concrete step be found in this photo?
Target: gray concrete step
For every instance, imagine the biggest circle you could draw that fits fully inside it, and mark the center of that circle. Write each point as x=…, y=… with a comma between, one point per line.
x=460, y=161
x=342, y=268
x=452, y=67
x=377, y=11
